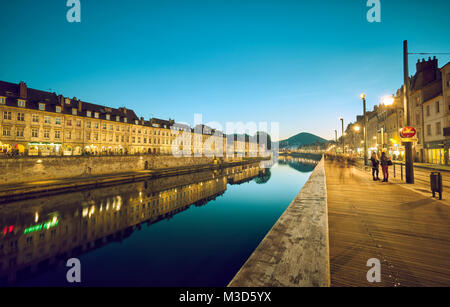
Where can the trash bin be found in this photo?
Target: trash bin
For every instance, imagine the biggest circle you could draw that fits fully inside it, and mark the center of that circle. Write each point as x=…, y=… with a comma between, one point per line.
x=436, y=183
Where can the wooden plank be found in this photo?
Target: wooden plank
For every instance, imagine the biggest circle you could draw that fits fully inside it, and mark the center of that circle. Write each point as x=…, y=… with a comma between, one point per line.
x=408, y=232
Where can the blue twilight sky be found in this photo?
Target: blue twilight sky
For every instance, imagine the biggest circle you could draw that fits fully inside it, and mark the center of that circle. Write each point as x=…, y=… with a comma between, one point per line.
x=301, y=63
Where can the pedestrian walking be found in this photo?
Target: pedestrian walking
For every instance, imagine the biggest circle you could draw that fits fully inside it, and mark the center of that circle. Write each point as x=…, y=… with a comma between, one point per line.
x=375, y=166
x=385, y=162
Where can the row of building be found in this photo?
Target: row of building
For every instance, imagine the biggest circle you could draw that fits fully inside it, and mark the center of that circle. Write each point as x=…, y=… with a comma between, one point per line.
x=429, y=106
x=35, y=122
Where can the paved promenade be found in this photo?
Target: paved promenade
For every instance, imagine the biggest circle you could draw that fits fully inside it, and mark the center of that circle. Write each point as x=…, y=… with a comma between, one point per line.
x=407, y=230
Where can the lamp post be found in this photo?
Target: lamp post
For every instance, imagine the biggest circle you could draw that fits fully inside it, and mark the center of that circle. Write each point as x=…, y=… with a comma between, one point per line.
x=409, y=164
x=343, y=147
x=363, y=97
x=335, y=137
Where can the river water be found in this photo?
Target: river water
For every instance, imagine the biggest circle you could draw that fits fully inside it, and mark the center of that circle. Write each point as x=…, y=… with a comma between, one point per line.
x=189, y=230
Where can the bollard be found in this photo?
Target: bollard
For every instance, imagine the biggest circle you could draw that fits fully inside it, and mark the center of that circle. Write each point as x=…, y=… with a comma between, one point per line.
x=436, y=183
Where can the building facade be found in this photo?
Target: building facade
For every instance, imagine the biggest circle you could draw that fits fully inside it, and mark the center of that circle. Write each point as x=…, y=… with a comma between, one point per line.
x=34, y=122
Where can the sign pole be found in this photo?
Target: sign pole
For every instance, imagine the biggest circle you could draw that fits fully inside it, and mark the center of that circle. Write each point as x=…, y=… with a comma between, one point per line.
x=409, y=163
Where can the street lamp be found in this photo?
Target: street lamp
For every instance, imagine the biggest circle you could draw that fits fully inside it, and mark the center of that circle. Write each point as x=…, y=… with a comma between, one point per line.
x=343, y=148
x=363, y=97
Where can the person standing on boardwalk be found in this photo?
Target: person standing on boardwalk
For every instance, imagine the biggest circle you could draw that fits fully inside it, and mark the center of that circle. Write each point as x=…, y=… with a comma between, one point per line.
x=375, y=166
x=385, y=166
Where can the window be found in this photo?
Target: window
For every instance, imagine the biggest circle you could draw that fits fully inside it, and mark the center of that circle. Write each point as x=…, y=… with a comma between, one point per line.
x=7, y=115
x=74, y=111
x=108, y=117
x=68, y=135
x=88, y=124
x=437, y=106
x=21, y=103
x=58, y=120
x=58, y=109
x=67, y=100
x=2, y=100
x=428, y=130
x=88, y=113
x=78, y=123
x=96, y=125
x=95, y=136
x=124, y=119
x=19, y=132
x=35, y=118
x=104, y=126
x=111, y=127
x=96, y=114
x=69, y=122
x=34, y=133
x=428, y=110
x=42, y=107
x=117, y=128
x=6, y=131
x=136, y=121
x=46, y=119
x=88, y=136
x=57, y=134
x=46, y=134
x=21, y=117
x=438, y=128
x=117, y=118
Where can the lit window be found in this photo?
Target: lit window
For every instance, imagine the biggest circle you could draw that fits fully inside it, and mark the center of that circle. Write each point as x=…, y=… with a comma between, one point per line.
x=19, y=132
x=88, y=113
x=67, y=100
x=46, y=119
x=124, y=119
x=42, y=107
x=21, y=103
x=96, y=114
x=58, y=120
x=117, y=118
x=74, y=111
x=6, y=131
x=88, y=124
x=108, y=117
x=2, y=100
x=58, y=109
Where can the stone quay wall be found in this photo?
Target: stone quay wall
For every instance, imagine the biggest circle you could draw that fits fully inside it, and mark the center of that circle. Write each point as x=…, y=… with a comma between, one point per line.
x=295, y=252
x=30, y=169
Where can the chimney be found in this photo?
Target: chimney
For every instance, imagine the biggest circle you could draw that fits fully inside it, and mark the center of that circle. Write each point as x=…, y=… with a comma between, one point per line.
x=80, y=106
x=22, y=89
x=142, y=120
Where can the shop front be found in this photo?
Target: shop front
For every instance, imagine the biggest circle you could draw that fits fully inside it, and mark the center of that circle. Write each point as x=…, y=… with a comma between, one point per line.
x=435, y=153
x=44, y=149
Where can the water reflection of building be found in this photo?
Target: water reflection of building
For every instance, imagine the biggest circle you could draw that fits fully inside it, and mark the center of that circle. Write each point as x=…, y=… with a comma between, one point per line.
x=39, y=233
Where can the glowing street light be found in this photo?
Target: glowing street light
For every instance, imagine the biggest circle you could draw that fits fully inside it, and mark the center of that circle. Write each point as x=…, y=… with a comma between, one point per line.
x=387, y=100
x=356, y=128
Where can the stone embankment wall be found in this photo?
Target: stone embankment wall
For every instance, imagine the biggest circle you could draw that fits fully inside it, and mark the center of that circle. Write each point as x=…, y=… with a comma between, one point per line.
x=27, y=169
x=295, y=252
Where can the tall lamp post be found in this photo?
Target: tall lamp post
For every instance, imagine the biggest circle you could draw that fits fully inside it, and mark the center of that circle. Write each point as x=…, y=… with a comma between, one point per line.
x=363, y=97
x=343, y=145
x=409, y=164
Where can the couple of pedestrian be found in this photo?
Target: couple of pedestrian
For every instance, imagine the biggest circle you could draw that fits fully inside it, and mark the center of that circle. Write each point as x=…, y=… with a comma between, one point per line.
x=385, y=162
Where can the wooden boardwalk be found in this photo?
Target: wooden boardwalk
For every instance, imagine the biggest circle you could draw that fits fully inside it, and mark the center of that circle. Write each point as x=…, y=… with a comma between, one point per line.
x=408, y=232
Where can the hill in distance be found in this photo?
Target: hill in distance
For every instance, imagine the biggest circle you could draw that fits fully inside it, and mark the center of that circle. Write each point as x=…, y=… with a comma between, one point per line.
x=302, y=139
